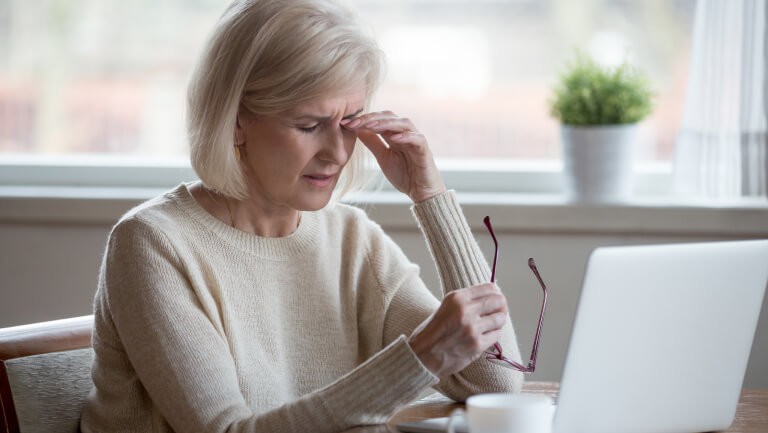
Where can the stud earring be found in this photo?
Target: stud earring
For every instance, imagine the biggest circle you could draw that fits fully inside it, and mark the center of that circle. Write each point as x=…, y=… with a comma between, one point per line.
x=238, y=152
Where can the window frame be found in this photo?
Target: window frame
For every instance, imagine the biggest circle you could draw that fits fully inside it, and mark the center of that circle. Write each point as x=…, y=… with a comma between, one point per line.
x=652, y=179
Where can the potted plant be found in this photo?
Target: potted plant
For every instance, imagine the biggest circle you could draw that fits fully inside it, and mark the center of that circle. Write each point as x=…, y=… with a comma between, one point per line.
x=599, y=108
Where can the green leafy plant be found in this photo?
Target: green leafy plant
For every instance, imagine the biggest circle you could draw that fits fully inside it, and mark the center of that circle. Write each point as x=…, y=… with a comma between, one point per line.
x=589, y=94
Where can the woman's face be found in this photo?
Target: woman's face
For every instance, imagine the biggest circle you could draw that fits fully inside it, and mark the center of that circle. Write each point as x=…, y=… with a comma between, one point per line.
x=294, y=159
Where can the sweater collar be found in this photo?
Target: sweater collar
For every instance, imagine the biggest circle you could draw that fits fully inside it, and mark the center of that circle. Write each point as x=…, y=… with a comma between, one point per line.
x=302, y=241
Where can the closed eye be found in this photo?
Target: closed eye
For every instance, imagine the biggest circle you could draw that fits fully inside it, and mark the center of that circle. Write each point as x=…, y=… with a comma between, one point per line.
x=308, y=129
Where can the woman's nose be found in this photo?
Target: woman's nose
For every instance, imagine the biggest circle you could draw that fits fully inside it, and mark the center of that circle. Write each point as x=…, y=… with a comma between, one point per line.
x=335, y=149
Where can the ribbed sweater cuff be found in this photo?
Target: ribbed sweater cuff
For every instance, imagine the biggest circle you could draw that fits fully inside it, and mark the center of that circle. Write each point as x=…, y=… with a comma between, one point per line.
x=374, y=391
x=459, y=260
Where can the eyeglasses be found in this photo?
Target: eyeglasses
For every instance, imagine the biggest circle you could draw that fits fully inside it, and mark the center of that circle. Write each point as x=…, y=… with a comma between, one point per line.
x=494, y=353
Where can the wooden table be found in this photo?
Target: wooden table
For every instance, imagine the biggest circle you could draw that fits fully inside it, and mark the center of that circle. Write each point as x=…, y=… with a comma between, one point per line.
x=751, y=414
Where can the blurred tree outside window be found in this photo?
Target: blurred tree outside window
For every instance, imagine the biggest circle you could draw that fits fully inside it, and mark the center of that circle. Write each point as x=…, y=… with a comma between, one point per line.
x=108, y=77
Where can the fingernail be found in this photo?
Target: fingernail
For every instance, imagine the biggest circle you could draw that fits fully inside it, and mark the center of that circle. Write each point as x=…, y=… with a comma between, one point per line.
x=345, y=121
x=354, y=123
x=371, y=125
x=396, y=137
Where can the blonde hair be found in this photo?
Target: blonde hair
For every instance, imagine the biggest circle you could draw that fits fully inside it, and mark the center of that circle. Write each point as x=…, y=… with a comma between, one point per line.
x=268, y=56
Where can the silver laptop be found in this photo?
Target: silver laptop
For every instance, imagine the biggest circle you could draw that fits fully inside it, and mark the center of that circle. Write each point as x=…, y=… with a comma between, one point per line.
x=661, y=338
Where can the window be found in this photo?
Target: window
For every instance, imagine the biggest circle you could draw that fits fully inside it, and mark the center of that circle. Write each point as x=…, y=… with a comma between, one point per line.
x=108, y=77
x=476, y=75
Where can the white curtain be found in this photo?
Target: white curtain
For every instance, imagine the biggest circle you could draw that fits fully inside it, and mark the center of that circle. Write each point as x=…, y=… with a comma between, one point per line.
x=722, y=147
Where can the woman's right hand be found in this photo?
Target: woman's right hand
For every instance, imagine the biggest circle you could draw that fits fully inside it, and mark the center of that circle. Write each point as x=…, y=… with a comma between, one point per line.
x=401, y=151
x=468, y=322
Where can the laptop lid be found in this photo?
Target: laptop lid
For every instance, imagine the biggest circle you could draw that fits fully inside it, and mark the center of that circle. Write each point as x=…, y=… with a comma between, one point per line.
x=661, y=338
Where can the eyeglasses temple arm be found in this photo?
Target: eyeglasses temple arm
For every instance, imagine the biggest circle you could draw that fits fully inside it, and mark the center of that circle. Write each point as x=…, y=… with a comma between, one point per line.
x=535, y=350
x=487, y=221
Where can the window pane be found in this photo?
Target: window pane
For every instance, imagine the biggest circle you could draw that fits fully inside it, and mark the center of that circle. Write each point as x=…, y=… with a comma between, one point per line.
x=476, y=76
x=109, y=77
x=98, y=76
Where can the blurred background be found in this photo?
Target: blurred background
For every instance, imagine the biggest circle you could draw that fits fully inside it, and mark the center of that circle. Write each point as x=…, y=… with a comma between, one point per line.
x=108, y=77
x=86, y=84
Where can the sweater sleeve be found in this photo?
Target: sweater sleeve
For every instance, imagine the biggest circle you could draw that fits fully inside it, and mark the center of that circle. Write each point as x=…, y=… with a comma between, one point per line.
x=147, y=309
x=460, y=264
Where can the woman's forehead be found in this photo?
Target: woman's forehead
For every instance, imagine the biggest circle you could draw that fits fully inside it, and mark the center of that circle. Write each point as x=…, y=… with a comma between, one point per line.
x=347, y=101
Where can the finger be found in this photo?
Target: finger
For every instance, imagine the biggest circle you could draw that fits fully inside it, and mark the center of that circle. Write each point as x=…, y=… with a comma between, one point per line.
x=477, y=337
x=493, y=322
x=489, y=338
x=471, y=332
x=373, y=142
x=492, y=304
x=487, y=306
x=381, y=123
x=412, y=140
x=489, y=303
x=366, y=118
x=481, y=290
x=470, y=300
x=466, y=316
x=388, y=124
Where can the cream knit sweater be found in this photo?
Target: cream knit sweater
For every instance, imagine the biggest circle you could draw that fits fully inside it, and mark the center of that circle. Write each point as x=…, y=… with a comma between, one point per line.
x=200, y=327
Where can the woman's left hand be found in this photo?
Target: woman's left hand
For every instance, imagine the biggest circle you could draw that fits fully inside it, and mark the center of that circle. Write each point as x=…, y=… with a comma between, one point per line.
x=403, y=154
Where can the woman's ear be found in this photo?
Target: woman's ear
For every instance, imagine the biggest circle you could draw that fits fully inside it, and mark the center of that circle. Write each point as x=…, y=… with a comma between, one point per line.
x=239, y=132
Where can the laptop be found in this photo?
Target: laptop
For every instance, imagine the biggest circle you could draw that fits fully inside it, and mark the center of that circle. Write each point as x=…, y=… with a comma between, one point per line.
x=661, y=339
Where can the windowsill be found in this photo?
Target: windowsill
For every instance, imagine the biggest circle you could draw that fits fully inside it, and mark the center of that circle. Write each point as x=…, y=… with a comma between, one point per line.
x=530, y=213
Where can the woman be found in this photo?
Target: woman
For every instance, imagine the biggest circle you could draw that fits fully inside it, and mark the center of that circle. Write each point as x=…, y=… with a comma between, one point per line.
x=246, y=302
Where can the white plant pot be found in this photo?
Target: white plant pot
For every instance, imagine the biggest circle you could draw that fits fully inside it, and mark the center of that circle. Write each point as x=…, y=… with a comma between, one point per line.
x=598, y=162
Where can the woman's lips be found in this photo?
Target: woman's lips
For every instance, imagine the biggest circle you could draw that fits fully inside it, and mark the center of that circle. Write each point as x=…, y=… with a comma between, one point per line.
x=320, y=181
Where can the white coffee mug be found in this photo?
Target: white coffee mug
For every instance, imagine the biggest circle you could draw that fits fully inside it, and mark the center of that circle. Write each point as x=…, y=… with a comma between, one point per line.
x=506, y=413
